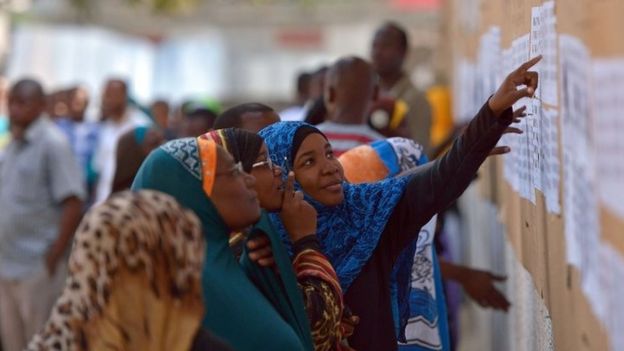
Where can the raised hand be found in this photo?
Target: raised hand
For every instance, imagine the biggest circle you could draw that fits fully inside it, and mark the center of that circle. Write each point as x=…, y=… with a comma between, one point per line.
x=508, y=93
x=298, y=216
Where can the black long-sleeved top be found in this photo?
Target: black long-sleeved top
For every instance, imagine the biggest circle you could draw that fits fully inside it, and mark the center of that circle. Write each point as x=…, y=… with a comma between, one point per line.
x=431, y=190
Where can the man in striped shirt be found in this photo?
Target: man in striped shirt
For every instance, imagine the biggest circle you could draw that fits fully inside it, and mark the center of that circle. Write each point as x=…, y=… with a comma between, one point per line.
x=350, y=89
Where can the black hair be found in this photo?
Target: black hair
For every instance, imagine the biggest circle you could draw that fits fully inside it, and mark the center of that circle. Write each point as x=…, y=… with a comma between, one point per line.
x=298, y=139
x=317, y=113
x=232, y=118
x=303, y=81
x=401, y=32
x=321, y=70
x=30, y=85
x=244, y=146
x=124, y=84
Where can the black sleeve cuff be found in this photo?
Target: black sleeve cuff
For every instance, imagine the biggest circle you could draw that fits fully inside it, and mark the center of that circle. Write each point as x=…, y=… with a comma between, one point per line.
x=506, y=118
x=307, y=242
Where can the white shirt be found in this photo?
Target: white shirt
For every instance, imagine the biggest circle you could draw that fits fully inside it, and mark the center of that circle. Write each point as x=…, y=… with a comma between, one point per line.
x=106, y=153
x=344, y=137
x=293, y=113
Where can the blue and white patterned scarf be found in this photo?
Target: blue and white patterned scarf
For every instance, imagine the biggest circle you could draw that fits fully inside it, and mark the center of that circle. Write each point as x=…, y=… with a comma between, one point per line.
x=349, y=232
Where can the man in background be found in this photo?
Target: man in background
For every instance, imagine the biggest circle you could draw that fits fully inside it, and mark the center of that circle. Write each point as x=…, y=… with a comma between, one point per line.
x=117, y=118
x=160, y=112
x=389, y=50
x=41, y=193
x=350, y=89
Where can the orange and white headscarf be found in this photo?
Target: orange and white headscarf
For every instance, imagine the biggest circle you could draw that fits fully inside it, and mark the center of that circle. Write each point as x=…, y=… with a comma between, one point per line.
x=381, y=159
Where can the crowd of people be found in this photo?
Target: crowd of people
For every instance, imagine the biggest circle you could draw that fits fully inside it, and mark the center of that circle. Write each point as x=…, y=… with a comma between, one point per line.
x=197, y=228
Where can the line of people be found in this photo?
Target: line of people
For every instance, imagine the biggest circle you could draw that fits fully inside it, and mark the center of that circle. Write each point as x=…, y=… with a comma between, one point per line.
x=256, y=235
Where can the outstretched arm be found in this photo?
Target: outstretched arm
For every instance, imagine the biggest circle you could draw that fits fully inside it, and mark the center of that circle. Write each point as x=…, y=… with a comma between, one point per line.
x=436, y=185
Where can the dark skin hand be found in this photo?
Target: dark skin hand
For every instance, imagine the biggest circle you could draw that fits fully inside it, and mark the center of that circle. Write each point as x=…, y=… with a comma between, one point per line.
x=479, y=285
x=260, y=251
x=298, y=216
x=508, y=93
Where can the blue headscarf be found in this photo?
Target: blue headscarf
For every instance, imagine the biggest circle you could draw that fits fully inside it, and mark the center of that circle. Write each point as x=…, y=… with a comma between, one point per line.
x=349, y=232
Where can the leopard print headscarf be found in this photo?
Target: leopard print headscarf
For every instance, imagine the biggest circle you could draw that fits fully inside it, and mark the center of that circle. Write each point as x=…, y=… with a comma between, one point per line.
x=134, y=279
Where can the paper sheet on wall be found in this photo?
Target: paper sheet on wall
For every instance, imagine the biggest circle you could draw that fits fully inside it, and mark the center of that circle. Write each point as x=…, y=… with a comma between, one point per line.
x=550, y=164
x=509, y=160
x=607, y=107
x=581, y=222
x=534, y=118
x=534, y=121
x=604, y=292
x=537, y=44
x=520, y=54
x=614, y=263
x=544, y=42
x=534, y=109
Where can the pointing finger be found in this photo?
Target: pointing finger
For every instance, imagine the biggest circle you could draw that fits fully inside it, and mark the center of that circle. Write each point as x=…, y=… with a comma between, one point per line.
x=530, y=63
x=289, y=189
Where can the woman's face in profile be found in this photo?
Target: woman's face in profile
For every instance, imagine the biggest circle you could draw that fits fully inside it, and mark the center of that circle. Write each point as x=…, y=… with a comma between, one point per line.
x=233, y=193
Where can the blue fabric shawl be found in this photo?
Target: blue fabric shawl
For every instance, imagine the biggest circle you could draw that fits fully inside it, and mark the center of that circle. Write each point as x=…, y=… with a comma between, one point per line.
x=349, y=232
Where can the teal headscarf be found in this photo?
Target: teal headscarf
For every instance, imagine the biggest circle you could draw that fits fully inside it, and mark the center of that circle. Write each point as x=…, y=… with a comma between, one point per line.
x=248, y=306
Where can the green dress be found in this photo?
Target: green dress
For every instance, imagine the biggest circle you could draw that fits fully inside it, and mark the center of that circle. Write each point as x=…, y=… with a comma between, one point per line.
x=250, y=307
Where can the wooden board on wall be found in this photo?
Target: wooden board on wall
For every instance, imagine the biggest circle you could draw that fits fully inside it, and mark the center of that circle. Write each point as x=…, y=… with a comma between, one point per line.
x=517, y=20
x=605, y=28
x=572, y=18
x=534, y=243
x=575, y=327
x=526, y=221
x=537, y=236
x=589, y=333
x=560, y=298
x=612, y=229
